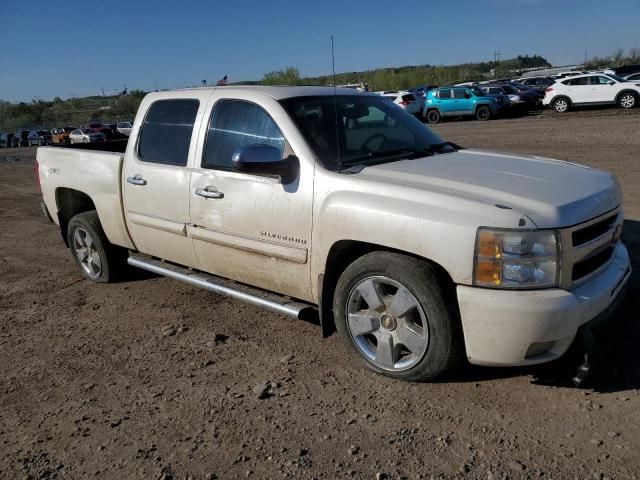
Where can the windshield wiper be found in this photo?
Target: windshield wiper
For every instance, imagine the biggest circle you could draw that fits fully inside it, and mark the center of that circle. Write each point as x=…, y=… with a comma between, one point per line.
x=438, y=147
x=396, y=154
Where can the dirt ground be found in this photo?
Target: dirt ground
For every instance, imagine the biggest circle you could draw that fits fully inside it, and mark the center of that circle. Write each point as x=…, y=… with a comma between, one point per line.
x=93, y=385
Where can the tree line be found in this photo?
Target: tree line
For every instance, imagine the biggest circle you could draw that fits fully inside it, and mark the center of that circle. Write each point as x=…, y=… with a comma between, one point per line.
x=75, y=111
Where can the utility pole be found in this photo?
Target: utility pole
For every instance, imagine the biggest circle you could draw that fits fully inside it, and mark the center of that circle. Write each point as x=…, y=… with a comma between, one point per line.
x=496, y=59
x=585, y=57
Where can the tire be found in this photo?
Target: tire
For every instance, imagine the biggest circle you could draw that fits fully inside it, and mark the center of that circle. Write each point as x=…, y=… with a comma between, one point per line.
x=421, y=311
x=483, y=113
x=97, y=259
x=628, y=100
x=561, y=105
x=433, y=116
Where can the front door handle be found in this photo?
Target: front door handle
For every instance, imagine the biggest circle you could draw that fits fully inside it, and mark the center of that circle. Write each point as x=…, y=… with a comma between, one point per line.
x=136, y=180
x=209, y=192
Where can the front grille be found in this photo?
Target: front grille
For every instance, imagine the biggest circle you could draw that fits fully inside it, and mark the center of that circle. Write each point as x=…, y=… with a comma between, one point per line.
x=587, y=234
x=591, y=246
x=591, y=264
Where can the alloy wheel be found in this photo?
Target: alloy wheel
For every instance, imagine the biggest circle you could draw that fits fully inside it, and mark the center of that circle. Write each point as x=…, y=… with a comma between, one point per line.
x=387, y=323
x=627, y=101
x=86, y=251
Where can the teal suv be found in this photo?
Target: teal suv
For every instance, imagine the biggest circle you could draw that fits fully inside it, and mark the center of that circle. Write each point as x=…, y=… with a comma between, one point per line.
x=463, y=101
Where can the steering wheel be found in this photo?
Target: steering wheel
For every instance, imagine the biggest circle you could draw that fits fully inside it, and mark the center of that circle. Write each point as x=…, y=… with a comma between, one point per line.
x=373, y=137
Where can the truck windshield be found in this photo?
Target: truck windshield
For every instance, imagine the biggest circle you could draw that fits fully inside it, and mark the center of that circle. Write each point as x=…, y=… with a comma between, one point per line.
x=366, y=130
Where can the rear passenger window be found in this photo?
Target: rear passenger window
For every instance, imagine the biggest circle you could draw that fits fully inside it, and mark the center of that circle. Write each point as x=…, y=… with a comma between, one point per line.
x=166, y=131
x=444, y=93
x=459, y=93
x=235, y=124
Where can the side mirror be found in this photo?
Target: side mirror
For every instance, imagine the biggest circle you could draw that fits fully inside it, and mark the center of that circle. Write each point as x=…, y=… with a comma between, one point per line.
x=264, y=160
x=467, y=95
x=611, y=82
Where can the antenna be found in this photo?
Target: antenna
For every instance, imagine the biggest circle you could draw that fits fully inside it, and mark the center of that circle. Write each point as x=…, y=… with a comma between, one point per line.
x=335, y=102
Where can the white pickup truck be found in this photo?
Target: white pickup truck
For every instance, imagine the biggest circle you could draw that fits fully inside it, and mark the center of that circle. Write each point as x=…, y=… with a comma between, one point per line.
x=417, y=251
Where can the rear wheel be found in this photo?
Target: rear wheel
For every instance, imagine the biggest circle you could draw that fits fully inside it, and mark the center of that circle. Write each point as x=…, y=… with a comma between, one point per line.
x=98, y=260
x=561, y=105
x=483, y=113
x=394, y=313
x=433, y=116
x=628, y=100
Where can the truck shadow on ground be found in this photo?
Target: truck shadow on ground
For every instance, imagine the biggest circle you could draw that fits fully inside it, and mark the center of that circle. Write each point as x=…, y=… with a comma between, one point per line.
x=618, y=371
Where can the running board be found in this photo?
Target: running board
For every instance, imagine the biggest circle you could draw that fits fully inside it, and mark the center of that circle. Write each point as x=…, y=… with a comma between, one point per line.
x=254, y=296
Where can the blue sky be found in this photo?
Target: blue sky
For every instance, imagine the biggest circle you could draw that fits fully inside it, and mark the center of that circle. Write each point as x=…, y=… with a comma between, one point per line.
x=77, y=48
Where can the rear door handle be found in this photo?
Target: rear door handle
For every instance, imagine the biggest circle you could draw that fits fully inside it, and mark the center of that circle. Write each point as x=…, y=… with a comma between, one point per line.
x=136, y=180
x=209, y=192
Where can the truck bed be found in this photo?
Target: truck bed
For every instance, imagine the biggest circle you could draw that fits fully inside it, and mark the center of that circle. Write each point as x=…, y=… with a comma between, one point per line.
x=89, y=169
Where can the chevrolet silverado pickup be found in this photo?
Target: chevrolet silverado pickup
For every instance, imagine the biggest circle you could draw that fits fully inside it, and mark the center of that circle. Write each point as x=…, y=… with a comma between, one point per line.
x=418, y=252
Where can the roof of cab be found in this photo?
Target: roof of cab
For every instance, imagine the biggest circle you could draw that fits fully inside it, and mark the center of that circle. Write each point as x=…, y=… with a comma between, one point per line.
x=281, y=92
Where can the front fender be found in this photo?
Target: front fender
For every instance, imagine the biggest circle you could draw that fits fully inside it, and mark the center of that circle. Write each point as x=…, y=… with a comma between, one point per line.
x=435, y=225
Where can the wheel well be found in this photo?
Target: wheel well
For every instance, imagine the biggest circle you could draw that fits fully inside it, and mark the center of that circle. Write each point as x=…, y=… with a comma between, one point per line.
x=71, y=202
x=558, y=97
x=480, y=106
x=342, y=254
x=632, y=92
x=429, y=109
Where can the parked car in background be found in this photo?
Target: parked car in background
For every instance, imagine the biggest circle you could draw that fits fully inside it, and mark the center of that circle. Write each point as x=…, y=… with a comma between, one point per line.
x=6, y=140
x=539, y=84
x=61, y=134
x=463, y=101
x=569, y=73
x=623, y=70
x=86, y=135
x=98, y=127
x=520, y=102
x=591, y=89
x=405, y=100
x=39, y=138
x=634, y=77
x=20, y=139
x=124, y=128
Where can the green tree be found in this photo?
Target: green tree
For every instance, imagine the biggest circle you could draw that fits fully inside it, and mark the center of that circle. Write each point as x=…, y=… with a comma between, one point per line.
x=288, y=76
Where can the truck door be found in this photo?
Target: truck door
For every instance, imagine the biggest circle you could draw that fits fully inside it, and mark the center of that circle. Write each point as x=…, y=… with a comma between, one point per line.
x=249, y=228
x=156, y=176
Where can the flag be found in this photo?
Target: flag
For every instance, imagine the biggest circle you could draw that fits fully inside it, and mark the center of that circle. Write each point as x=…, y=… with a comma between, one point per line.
x=222, y=81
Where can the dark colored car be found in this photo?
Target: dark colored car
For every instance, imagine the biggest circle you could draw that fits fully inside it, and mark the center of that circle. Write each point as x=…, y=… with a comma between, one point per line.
x=539, y=84
x=20, y=139
x=529, y=96
x=99, y=127
x=625, y=70
x=39, y=137
x=520, y=103
x=6, y=139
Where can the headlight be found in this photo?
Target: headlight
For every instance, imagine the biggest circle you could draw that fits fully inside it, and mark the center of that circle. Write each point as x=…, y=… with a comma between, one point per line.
x=516, y=258
x=514, y=98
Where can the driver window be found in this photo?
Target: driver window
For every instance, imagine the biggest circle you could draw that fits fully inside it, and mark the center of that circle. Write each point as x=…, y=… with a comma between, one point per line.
x=458, y=93
x=234, y=124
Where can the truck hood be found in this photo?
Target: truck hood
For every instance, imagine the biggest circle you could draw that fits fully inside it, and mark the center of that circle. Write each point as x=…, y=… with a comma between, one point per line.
x=552, y=193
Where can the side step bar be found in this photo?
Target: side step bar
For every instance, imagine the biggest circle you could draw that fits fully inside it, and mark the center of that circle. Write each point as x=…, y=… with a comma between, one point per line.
x=254, y=296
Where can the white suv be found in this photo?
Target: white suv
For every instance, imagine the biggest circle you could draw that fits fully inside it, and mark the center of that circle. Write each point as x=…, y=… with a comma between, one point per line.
x=592, y=89
x=405, y=100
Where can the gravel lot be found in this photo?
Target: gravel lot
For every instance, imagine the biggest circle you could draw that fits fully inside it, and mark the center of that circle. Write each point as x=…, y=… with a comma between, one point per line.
x=154, y=379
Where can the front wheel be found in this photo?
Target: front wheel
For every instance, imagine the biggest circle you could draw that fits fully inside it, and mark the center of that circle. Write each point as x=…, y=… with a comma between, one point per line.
x=433, y=116
x=628, y=100
x=98, y=260
x=483, y=113
x=395, y=313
